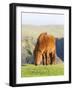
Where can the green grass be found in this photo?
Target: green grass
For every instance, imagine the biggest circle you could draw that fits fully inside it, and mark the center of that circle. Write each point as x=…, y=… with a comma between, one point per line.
x=30, y=70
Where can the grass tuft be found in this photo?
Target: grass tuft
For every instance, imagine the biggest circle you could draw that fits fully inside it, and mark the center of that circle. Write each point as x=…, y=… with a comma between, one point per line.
x=30, y=70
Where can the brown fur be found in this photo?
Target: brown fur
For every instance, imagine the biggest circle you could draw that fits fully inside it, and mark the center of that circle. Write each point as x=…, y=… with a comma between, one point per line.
x=45, y=49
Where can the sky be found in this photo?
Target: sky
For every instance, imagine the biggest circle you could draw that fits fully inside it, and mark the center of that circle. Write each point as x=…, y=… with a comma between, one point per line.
x=42, y=19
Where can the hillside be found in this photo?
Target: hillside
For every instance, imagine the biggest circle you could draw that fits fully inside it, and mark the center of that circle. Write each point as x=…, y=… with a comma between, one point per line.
x=34, y=31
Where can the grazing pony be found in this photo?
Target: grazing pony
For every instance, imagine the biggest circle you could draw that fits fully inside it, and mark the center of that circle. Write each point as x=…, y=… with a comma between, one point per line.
x=45, y=50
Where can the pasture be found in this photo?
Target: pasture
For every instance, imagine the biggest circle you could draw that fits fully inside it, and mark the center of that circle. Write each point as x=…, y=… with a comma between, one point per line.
x=30, y=70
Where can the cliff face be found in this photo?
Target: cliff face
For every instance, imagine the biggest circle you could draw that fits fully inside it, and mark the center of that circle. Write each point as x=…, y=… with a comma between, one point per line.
x=60, y=48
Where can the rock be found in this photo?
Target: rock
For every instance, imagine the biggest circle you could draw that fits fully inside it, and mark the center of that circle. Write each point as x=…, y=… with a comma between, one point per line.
x=60, y=48
x=58, y=60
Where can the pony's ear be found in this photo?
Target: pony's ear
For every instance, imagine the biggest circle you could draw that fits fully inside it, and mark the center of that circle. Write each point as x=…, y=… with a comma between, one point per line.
x=45, y=33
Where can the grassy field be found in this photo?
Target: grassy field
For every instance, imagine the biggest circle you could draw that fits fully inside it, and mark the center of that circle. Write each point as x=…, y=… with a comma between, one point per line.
x=30, y=70
x=34, y=31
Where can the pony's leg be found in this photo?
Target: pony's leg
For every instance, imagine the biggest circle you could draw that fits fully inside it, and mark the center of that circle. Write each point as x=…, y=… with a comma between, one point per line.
x=53, y=58
x=46, y=57
x=50, y=55
x=43, y=57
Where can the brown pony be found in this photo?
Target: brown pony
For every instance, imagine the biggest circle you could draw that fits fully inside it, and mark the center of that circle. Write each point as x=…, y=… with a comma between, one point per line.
x=45, y=50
